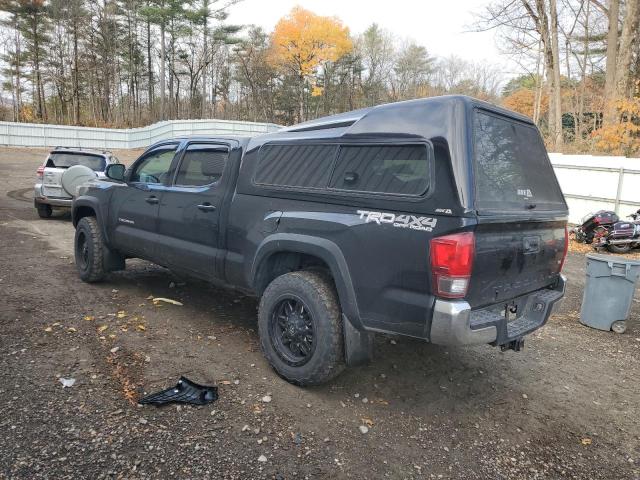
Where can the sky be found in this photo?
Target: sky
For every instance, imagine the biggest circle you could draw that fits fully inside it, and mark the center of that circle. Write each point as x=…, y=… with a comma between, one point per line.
x=442, y=26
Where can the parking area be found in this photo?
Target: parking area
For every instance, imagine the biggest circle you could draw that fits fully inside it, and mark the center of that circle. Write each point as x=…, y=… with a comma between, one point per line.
x=567, y=406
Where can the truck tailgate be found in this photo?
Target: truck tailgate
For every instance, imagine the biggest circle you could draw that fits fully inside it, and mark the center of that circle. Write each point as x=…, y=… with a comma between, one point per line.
x=514, y=258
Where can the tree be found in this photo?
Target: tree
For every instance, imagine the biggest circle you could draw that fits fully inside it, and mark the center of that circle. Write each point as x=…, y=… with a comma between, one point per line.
x=377, y=52
x=527, y=25
x=412, y=71
x=523, y=100
x=623, y=137
x=302, y=41
x=34, y=26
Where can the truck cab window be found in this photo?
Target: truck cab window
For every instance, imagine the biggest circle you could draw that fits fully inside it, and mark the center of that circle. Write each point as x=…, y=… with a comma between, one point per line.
x=154, y=168
x=202, y=164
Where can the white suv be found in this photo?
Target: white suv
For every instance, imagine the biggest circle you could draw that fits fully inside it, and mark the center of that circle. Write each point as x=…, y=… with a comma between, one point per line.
x=49, y=192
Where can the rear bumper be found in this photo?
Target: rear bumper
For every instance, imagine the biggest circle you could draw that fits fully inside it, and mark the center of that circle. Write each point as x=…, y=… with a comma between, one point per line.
x=454, y=323
x=39, y=198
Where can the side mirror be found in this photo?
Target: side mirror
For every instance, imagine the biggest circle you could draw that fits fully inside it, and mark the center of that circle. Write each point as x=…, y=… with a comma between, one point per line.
x=115, y=171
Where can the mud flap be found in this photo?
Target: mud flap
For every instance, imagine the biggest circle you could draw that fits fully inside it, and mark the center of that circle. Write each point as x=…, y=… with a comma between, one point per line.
x=358, y=344
x=112, y=261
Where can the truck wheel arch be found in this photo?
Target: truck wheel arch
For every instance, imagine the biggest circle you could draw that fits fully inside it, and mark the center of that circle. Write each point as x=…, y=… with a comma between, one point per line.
x=358, y=343
x=88, y=207
x=325, y=250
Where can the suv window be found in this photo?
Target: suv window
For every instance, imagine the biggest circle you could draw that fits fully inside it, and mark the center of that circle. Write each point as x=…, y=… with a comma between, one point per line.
x=307, y=166
x=69, y=159
x=154, y=168
x=394, y=169
x=512, y=170
x=201, y=164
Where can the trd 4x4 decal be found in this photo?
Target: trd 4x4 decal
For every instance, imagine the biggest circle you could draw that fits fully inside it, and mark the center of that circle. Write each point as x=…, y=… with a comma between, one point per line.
x=426, y=224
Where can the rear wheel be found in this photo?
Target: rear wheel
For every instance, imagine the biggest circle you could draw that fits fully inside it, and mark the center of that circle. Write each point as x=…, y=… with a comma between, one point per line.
x=89, y=250
x=300, y=328
x=44, y=210
x=622, y=248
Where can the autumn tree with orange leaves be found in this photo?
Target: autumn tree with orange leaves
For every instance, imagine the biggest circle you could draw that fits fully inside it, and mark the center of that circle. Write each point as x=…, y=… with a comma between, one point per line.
x=301, y=43
x=623, y=136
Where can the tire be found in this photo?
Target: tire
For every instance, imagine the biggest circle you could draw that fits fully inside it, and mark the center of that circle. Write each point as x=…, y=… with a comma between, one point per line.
x=624, y=248
x=44, y=210
x=313, y=313
x=89, y=250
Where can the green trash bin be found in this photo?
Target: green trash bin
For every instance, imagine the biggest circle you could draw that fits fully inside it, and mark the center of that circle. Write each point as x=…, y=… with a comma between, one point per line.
x=608, y=292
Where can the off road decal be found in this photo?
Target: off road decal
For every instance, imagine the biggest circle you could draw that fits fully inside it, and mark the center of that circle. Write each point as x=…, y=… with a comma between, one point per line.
x=426, y=224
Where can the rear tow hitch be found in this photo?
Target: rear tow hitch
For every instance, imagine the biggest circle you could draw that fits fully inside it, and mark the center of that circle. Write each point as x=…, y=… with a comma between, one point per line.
x=515, y=345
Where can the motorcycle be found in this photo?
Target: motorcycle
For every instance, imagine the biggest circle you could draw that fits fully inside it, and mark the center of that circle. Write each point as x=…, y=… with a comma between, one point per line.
x=604, y=229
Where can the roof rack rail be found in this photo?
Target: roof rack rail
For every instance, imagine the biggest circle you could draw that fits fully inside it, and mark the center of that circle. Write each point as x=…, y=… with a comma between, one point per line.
x=83, y=149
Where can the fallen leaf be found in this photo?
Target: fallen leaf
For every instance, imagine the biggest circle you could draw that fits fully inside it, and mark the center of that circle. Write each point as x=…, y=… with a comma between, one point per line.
x=102, y=328
x=141, y=327
x=71, y=329
x=585, y=441
x=167, y=300
x=367, y=421
x=121, y=314
x=89, y=317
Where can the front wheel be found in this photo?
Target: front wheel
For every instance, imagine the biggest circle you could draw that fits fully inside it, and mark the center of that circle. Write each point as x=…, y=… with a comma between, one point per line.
x=89, y=250
x=300, y=328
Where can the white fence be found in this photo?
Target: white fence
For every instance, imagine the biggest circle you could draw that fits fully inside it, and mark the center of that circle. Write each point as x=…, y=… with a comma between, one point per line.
x=42, y=135
x=591, y=183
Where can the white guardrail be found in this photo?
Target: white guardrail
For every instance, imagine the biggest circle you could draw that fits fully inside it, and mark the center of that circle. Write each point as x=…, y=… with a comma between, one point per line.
x=592, y=183
x=589, y=183
x=45, y=135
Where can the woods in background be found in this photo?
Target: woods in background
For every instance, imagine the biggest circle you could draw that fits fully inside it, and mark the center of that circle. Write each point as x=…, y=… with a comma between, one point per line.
x=132, y=62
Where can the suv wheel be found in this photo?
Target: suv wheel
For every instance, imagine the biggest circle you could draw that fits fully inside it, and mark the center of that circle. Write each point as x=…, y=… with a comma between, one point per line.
x=44, y=210
x=300, y=328
x=89, y=248
x=623, y=248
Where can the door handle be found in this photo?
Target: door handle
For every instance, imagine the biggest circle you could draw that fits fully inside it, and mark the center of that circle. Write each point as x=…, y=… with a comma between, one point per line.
x=152, y=199
x=207, y=207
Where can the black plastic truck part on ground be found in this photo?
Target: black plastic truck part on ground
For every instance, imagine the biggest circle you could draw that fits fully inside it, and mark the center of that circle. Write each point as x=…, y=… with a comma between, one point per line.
x=362, y=198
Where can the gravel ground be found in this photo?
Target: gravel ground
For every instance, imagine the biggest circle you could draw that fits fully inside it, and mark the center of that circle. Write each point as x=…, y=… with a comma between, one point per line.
x=565, y=407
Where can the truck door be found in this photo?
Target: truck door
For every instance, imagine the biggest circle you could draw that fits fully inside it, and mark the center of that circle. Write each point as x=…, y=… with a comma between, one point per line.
x=134, y=207
x=189, y=216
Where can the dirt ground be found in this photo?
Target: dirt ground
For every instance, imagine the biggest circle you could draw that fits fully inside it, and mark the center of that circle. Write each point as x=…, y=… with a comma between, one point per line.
x=568, y=406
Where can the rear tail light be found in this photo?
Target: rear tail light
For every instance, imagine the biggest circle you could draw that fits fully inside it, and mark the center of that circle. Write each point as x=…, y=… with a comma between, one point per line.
x=451, y=264
x=565, y=250
x=40, y=171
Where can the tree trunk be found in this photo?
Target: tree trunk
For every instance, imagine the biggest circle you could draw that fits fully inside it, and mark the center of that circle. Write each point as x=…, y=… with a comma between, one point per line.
x=149, y=70
x=163, y=71
x=557, y=88
x=205, y=50
x=76, y=88
x=18, y=74
x=625, y=54
x=609, y=110
x=301, y=99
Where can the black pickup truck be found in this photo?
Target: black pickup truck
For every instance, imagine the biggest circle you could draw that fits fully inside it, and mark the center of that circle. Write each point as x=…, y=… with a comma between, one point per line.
x=437, y=218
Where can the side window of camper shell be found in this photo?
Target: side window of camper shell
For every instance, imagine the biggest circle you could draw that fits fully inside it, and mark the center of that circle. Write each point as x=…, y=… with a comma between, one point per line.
x=394, y=169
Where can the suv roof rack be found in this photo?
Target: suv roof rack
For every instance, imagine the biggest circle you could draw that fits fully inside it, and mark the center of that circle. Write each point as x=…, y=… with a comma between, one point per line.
x=82, y=149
